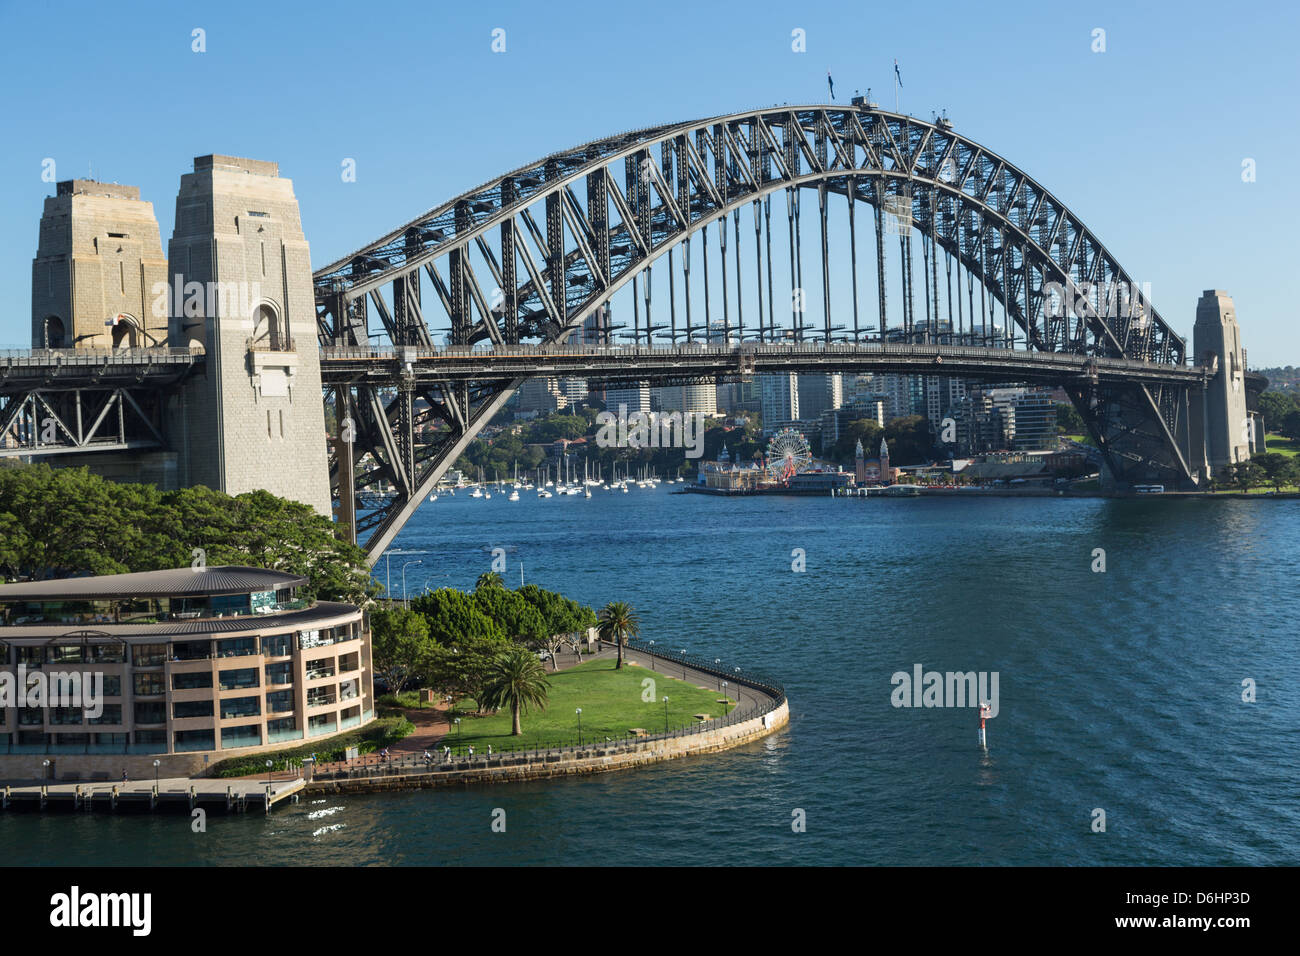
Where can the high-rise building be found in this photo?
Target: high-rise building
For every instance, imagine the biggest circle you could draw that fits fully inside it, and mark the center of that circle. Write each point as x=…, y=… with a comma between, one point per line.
x=633, y=396
x=779, y=397
x=819, y=393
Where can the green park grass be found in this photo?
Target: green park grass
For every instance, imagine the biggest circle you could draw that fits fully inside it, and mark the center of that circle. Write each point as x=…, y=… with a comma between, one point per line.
x=611, y=702
x=1283, y=446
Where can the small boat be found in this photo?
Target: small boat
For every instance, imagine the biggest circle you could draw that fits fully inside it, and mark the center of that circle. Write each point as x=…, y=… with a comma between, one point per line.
x=514, y=496
x=433, y=497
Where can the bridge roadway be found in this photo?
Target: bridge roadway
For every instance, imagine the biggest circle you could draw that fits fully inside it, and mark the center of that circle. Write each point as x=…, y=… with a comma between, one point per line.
x=377, y=366
x=21, y=370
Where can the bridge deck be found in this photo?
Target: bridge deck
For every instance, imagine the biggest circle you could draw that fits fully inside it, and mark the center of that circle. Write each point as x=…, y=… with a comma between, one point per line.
x=73, y=368
x=343, y=365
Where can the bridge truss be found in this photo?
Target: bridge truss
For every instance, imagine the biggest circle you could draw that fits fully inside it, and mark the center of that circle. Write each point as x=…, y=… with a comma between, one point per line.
x=533, y=256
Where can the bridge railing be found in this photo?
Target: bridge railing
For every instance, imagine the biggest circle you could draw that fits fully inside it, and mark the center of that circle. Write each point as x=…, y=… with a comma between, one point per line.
x=136, y=356
x=485, y=350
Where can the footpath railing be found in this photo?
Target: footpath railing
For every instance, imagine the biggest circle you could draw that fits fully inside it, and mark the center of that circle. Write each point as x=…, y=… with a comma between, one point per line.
x=457, y=757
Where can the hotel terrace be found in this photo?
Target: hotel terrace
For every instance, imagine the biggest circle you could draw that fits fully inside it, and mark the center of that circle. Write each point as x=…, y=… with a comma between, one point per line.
x=198, y=665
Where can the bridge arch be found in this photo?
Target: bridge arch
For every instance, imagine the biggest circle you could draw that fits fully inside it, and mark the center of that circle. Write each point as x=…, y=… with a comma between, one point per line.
x=526, y=257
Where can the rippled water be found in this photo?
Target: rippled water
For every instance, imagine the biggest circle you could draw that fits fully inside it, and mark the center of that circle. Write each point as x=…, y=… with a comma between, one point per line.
x=1119, y=691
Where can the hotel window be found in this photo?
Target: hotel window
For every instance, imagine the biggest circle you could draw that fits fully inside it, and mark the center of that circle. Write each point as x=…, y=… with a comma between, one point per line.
x=148, y=655
x=112, y=685
x=109, y=740
x=188, y=740
x=65, y=654
x=279, y=701
x=31, y=717
x=182, y=709
x=285, y=728
x=237, y=647
x=31, y=656
x=151, y=738
x=241, y=707
x=279, y=673
x=191, y=650
x=320, y=724
x=320, y=667
x=245, y=735
x=237, y=679
x=106, y=653
x=65, y=715
x=320, y=696
x=112, y=714
x=277, y=645
x=196, y=680
x=147, y=685
x=151, y=712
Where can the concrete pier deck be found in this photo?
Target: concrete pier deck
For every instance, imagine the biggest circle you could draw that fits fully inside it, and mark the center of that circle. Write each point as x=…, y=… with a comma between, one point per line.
x=171, y=794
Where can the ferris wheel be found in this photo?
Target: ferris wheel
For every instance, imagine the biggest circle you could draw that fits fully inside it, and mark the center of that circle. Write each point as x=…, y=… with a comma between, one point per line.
x=787, y=454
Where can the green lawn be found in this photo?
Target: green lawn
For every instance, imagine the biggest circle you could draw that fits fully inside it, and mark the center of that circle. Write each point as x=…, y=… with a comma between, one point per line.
x=1283, y=446
x=611, y=703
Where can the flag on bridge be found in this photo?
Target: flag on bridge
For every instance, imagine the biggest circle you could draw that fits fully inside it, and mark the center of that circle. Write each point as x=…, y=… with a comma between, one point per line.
x=897, y=74
x=830, y=83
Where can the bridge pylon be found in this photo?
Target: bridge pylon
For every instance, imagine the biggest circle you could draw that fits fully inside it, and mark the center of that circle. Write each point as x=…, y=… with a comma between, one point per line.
x=242, y=290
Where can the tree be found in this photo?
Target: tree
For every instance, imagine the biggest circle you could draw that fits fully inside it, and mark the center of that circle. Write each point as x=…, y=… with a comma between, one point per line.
x=399, y=642
x=618, y=622
x=489, y=579
x=1277, y=469
x=516, y=617
x=515, y=680
x=1068, y=419
x=1246, y=475
x=561, y=617
x=910, y=442
x=66, y=521
x=1275, y=407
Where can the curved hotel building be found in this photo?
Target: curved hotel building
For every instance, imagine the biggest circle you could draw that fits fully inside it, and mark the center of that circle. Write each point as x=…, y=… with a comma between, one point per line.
x=191, y=665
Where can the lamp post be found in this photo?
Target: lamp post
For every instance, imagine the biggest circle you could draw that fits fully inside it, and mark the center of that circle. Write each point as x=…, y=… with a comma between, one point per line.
x=724, y=698
x=155, y=775
x=717, y=662
x=665, y=714
x=45, y=771
x=579, y=713
x=268, y=775
x=683, y=663
x=457, y=723
x=652, y=655
x=406, y=600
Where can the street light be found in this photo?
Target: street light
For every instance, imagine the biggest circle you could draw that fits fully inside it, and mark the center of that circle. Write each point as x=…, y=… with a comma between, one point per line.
x=457, y=723
x=652, y=655
x=406, y=600
x=665, y=714
x=683, y=663
x=717, y=661
x=268, y=775
x=579, y=712
x=724, y=698
x=45, y=770
x=155, y=775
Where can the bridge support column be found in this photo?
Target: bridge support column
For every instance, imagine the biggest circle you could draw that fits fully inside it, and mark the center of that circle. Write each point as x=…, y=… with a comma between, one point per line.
x=1216, y=344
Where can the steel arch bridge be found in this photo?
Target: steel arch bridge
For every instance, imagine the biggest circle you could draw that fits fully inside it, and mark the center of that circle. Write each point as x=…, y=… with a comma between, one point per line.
x=611, y=209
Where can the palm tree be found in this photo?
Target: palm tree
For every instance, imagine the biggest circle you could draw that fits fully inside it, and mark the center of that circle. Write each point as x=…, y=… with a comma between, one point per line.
x=617, y=622
x=489, y=579
x=518, y=681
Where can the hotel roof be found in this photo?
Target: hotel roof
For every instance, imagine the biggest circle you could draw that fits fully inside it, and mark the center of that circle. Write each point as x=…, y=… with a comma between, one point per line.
x=174, y=582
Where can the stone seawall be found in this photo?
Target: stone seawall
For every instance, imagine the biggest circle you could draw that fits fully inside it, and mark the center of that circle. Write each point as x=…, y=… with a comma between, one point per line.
x=542, y=766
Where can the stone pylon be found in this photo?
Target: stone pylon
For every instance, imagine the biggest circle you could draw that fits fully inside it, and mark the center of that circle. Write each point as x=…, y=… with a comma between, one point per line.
x=1216, y=342
x=241, y=288
x=99, y=270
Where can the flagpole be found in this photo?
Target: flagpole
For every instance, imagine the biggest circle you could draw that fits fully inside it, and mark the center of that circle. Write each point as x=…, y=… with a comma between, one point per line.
x=895, y=86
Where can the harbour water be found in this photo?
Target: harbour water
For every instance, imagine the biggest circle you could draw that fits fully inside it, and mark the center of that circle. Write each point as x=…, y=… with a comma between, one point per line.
x=1119, y=690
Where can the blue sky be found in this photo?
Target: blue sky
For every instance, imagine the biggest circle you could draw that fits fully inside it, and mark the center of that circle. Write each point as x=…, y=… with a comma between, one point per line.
x=1144, y=142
